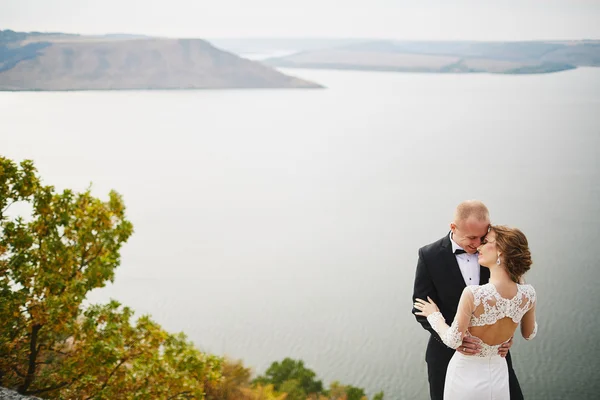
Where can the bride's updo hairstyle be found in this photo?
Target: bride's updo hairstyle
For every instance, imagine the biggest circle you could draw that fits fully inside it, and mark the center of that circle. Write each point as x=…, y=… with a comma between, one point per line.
x=515, y=256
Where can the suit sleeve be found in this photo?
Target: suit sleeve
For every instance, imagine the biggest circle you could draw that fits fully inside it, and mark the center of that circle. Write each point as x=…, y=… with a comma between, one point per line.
x=424, y=287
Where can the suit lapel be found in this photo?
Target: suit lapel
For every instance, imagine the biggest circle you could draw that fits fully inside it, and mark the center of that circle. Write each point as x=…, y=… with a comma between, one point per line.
x=484, y=275
x=452, y=264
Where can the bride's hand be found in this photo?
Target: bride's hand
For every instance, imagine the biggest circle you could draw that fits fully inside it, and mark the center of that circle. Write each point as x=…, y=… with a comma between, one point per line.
x=426, y=307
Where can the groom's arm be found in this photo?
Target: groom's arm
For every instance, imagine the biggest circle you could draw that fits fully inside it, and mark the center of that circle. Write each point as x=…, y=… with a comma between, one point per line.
x=424, y=287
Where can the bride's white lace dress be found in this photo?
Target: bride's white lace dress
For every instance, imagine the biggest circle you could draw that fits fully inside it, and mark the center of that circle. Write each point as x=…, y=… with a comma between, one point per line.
x=484, y=375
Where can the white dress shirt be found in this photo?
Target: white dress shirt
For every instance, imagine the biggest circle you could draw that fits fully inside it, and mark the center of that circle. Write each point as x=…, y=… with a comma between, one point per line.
x=468, y=264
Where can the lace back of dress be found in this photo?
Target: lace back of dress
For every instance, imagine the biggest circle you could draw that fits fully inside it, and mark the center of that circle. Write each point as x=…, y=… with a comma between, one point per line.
x=490, y=307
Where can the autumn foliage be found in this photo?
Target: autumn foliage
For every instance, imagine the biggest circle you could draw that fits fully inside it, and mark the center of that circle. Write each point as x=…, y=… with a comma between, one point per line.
x=55, y=247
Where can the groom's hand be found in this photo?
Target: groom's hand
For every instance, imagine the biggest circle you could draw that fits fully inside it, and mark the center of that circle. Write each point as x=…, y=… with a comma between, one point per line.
x=503, y=350
x=470, y=345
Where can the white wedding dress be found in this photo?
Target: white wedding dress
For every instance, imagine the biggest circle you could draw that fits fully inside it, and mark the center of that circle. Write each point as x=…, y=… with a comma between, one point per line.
x=484, y=375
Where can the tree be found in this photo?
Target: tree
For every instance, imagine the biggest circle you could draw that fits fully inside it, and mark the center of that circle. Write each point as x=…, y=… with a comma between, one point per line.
x=261, y=392
x=287, y=370
x=234, y=379
x=355, y=393
x=378, y=396
x=115, y=359
x=69, y=246
x=293, y=390
x=337, y=391
x=50, y=258
x=16, y=185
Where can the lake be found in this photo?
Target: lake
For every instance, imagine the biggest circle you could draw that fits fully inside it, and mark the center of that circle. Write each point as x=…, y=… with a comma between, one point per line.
x=286, y=223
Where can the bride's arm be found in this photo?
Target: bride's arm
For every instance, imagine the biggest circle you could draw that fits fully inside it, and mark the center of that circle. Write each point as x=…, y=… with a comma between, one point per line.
x=452, y=336
x=529, y=324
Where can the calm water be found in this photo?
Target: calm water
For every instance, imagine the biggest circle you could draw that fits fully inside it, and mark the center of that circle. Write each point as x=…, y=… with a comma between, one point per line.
x=276, y=223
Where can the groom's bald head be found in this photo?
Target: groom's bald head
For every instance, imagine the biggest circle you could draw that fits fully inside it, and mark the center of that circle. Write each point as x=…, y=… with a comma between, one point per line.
x=471, y=209
x=470, y=225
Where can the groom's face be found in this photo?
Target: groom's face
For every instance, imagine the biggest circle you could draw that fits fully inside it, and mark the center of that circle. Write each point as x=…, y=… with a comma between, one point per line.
x=469, y=233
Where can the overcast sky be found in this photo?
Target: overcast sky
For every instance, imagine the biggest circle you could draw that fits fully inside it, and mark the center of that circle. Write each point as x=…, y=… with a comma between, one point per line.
x=399, y=19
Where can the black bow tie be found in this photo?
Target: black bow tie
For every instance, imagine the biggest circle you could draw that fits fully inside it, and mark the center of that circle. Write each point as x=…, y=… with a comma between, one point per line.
x=461, y=251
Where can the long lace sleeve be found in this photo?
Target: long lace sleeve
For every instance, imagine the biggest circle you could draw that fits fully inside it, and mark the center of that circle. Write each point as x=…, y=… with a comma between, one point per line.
x=529, y=325
x=532, y=335
x=452, y=335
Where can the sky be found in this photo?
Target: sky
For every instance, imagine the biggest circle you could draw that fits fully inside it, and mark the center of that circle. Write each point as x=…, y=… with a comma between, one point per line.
x=392, y=19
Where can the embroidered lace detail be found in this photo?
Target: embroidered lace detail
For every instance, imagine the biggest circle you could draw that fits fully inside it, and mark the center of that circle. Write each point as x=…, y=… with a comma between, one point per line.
x=496, y=307
x=486, y=349
x=434, y=318
x=532, y=333
x=452, y=338
x=489, y=307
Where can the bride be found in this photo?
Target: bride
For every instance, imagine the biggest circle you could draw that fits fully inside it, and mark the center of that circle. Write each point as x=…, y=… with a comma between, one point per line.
x=491, y=313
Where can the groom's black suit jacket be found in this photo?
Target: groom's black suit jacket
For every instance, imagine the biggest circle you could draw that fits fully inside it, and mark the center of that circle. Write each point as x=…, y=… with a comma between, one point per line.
x=438, y=276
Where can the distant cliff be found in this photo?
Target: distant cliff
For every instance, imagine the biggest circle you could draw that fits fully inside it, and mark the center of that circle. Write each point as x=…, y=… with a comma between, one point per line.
x=37, y=61
x=449, y=57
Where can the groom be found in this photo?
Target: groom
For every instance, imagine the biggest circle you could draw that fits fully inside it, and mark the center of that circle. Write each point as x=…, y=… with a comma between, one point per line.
x=444, y=269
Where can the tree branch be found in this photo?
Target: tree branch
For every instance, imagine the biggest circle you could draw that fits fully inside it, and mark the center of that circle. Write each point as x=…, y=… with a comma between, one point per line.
x=6, y=208
x=107, y=379
x=19, y=373
x=179, y=394
x=55, y=387
x=84, y=262
x=33, y=353
x=62, y=353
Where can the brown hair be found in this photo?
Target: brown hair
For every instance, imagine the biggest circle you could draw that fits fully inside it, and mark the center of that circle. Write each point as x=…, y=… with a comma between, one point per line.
x=513, y=245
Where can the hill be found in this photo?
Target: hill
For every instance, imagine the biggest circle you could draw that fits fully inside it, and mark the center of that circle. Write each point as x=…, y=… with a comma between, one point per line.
x=56, y=61
x=454, y=57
